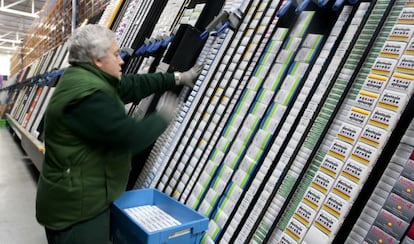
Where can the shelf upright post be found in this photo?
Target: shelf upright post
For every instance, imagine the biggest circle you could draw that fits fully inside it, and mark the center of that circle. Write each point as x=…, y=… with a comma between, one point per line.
x=74, y=12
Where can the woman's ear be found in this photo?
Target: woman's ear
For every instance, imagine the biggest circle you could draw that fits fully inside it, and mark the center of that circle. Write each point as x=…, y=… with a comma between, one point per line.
x=97, y=62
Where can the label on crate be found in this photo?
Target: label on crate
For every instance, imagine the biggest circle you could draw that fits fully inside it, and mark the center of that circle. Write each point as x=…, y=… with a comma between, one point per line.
x=364, y=153
x=335, y=205
x=340, y=149
x=375, y=83
x=349, y=133
x=151, y=217
x=366, y=100
x=322, y=182
x=405, y=188
x=345, y=188
x=392, y=49
x=355, y=171
x=296, y=230
x=374, y=136
x=304, y=214
x=384, y=66
x=391, y=224
x=399, y=207
x=326, y=222
x=406, y=65
x=358, y=116
x=383, y=118
x=331, y=166
x=406, y=16
x=313, y=198
x=376, y=235
x=401, y=33
x=408, y=171
x=401, y=82
x=394, y=101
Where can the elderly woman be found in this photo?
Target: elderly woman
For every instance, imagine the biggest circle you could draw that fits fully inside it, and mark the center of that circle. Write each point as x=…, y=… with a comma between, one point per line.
x=89, y=138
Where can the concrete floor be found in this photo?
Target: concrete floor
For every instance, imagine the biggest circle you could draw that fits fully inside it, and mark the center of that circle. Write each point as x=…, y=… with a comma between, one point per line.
x=18, y=178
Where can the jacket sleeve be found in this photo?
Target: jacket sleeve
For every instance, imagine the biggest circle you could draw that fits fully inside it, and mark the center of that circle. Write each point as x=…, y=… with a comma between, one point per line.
x=99, y=120
x=134, y=87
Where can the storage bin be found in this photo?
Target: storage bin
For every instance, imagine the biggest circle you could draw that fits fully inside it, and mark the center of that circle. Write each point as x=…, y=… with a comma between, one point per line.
x=125, y=229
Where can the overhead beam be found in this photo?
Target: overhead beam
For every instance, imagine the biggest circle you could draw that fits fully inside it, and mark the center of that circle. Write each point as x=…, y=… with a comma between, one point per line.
x=9, y=48
x=6, y=34
x=20, y=29
x=7, y=9
x=19, y=13
x=10, y=41
x=12, y=4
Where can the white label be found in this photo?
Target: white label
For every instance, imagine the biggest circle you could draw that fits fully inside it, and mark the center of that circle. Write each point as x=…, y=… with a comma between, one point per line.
x=322, y=182
x=401, y=33
x=384, y=66
x=364, y=153
x=349, y=133
x=340, y=149
x=345, y=188
x=313, y=198
x=383, y=118
x=335, y=205
x=358, y=116
x=375, y=83
x=374, y=136
x=394, y=101
x=304, y=214
x=331, y=166
x=392, y=49
x=355, y=171
x=402, y=82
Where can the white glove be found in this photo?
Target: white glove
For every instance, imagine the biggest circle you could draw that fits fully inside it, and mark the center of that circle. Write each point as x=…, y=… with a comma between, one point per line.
x=167, y=106
x=188, y=77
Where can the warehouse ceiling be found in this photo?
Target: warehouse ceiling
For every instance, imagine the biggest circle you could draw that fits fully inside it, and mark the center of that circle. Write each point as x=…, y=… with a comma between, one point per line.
x=16, y=18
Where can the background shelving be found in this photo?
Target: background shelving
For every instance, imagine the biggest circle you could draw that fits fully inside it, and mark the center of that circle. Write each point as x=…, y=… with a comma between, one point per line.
x=266, y=142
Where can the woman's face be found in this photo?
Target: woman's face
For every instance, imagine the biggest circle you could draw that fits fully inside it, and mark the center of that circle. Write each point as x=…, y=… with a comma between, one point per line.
x=112, y=62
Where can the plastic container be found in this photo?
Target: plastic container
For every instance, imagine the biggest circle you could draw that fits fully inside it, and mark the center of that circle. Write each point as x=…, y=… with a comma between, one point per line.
x=124, y=229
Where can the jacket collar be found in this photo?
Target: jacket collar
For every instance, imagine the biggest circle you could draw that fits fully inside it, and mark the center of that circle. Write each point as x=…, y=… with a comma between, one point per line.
x=112, y=80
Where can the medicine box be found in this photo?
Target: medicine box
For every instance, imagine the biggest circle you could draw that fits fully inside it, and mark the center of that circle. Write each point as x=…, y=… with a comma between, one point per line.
x=126, y=229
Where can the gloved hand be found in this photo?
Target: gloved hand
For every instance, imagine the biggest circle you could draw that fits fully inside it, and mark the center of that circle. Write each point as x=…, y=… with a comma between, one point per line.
x=188, y=77
x=167, y=106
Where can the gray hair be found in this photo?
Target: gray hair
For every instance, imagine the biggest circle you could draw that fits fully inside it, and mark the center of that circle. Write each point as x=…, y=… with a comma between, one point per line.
x=90, y=41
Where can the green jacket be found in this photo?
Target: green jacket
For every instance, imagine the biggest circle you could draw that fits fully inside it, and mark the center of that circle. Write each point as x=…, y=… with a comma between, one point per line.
x=84, y=171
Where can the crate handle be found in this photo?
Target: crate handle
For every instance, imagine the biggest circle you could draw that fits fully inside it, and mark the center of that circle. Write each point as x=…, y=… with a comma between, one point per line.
x=179, y=233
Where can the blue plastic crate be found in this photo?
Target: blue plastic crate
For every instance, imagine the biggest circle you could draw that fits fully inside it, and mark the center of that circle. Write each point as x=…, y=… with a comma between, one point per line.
x=125, y=229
